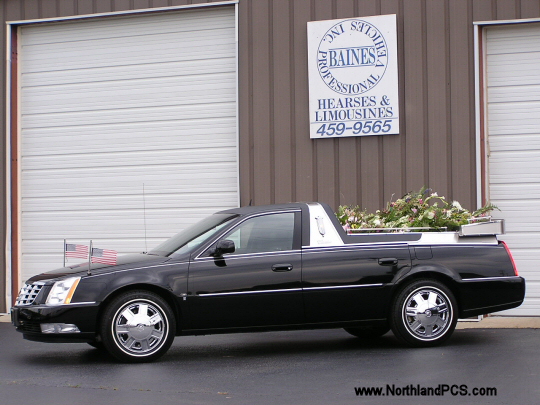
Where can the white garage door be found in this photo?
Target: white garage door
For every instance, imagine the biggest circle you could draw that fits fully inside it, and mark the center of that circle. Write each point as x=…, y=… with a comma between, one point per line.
x=513, y=118
x=109, y=105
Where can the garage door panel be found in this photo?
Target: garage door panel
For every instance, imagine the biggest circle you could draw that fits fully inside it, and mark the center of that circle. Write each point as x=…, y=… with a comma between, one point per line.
x=143, y=159
x=505, y=118
x=111, y=104
x=100, y=226
x=512, y=40
x=128, y=201
x=167, y=91
x=93, y=53
x=215, y=64
x=188, y=134
x=192, y=21
x=516, y=142
x=513, y=122
x=525, y=72
x=222, y=109
x=528, y=125
x=512, y=191
x=105, y=186
x=505, y=93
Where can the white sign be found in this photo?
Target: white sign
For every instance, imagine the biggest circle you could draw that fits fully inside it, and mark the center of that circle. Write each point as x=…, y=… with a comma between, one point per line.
x=353, y=77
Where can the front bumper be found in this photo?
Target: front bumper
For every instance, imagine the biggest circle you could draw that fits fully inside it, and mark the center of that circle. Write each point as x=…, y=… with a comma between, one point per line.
x=28, y=320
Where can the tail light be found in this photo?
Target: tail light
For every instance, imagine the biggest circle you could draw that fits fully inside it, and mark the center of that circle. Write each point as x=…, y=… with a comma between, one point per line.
x=511, y=258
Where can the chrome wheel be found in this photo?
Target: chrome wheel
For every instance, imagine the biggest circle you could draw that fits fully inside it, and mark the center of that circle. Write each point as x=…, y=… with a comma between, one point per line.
x=140, y=327
x=424, y=313
x=427, y=313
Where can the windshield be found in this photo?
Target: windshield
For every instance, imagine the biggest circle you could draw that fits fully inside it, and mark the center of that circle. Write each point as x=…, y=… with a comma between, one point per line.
x=193, y=236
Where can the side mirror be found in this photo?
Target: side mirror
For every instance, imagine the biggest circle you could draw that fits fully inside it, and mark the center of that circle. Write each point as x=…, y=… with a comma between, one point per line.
x=222, y=247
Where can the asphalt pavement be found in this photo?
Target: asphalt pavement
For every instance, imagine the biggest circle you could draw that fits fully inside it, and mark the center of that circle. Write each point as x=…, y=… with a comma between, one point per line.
x=297, y=367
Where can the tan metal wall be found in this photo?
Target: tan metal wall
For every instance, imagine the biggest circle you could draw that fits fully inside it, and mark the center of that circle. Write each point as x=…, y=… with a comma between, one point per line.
x=436, y=144
x=278, y=160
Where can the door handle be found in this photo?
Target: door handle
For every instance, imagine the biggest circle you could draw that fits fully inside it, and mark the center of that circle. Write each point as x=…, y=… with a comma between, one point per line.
x=282, y=267
x=388, y=261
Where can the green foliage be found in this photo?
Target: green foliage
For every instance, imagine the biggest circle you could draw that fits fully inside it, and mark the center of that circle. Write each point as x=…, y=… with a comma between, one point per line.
x=415, y=209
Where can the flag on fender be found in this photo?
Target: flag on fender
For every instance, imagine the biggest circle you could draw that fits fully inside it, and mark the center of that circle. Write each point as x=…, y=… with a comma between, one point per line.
x=104, y=256
x=73, y=250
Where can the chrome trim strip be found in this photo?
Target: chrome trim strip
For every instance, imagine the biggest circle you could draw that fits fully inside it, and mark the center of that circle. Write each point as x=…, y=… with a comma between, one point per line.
x=247, y=255
x=71, y=304
x=351, y=245
x=353, y=248
x=288, y=290
x=136, y=268
x=459, y=244
x=343, y=286
x=491, y=278
x=249, y=292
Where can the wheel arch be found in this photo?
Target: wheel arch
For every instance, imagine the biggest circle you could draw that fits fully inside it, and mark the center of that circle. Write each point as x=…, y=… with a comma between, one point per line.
x=162, y=292
x=446, y=278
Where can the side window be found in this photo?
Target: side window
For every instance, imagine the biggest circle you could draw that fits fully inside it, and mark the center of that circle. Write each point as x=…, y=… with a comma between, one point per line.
x=265, y=233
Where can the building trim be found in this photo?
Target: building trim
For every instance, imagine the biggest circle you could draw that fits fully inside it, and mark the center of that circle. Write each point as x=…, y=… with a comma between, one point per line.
x=504, y=22
x=7, y=247
x=123, y=13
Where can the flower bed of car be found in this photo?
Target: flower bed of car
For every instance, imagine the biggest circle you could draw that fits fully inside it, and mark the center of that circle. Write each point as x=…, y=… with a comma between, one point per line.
x=422, y=210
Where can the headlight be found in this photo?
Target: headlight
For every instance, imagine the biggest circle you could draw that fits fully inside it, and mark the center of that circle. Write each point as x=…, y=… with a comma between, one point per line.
x=62, y=291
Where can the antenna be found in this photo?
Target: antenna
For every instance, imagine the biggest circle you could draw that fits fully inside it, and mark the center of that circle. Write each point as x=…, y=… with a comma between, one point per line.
x=90, y=259
x=144, y=216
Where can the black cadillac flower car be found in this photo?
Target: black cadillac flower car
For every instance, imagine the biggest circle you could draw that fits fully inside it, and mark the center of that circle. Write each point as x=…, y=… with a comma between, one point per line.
x=287, y=266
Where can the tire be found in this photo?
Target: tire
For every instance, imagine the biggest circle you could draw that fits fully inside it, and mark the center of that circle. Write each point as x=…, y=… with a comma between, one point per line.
x=368, y=332
x=424, y=314
x=137, y=327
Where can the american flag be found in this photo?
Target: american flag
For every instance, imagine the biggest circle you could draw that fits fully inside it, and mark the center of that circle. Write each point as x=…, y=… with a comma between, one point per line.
x=104, y=256
x=72, y=250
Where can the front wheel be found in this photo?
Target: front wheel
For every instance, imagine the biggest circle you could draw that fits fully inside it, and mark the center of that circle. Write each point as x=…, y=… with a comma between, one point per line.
x=424, y=313
x=138, y=326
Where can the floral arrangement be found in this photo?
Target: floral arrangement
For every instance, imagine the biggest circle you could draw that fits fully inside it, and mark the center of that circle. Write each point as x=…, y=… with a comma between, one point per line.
x=422, y=209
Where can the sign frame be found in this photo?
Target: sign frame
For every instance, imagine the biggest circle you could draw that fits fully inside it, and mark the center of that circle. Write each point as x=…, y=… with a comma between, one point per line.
x=353, y=77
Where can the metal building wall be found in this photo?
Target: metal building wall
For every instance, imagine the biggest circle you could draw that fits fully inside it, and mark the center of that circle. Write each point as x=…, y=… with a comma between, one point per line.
x=278, y=161
x=436, y=144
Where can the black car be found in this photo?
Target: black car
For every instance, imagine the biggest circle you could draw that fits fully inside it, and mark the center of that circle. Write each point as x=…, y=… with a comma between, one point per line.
x=287, y=266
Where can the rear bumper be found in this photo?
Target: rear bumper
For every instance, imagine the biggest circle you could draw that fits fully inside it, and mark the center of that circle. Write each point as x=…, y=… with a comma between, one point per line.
x=484, y=296
x=28, y=321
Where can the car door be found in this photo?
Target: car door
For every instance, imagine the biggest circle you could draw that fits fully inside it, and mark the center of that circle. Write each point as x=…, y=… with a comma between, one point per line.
x=349, y=283
x=259, y=284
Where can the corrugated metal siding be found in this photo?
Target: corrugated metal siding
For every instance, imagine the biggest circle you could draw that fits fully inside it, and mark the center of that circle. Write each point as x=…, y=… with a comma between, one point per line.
x=436, y=145
x=513, y=123
x=278, y=160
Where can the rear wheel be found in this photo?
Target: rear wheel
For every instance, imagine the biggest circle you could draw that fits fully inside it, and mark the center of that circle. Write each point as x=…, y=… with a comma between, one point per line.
x=138, y=326
x=424, y=313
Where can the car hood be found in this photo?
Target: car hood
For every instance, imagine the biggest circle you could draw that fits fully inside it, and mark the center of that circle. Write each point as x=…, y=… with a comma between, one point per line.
x=123, y=262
